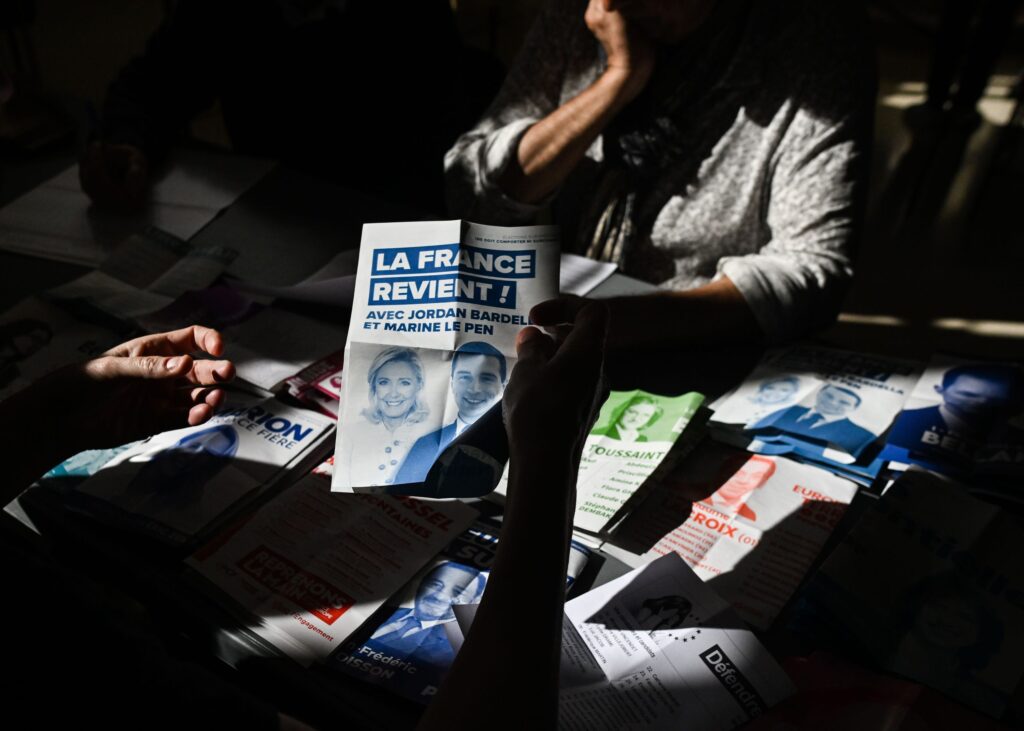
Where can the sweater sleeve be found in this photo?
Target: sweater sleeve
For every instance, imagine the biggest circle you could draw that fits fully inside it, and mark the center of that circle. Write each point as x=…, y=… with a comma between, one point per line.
x=815, y=201
x=532, y=90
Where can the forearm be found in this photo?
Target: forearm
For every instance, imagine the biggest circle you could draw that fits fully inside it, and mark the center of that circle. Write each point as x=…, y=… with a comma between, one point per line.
x=552, y=147
x=520, y=616
x=716, y=313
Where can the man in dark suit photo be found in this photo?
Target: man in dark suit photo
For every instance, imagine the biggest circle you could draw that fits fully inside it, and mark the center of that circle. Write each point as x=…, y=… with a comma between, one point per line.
x=827, y=421
x=975, y=398
x=417, y=633
x=479, y=372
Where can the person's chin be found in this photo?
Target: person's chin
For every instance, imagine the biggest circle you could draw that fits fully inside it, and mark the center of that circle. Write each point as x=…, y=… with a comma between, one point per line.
x=472, y=412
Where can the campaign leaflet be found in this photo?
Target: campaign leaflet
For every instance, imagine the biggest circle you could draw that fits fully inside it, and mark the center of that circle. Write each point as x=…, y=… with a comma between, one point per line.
x=928, y=585
x=411, y=650
x=633, y=434
x=838, y=401
x=658, y=649
x=964, y=418
x=311, y=566
x=319, y=384
x=751, y=525
x=431, y=343
x=174, y=485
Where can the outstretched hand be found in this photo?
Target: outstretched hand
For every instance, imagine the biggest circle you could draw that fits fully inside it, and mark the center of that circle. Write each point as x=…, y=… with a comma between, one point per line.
x=555, y=390
x=141, y=387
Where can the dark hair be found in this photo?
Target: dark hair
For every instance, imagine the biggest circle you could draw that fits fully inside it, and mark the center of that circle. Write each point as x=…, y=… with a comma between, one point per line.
x=478, y=347
x=1009, y=375
x=847, y=391
x=479, y=581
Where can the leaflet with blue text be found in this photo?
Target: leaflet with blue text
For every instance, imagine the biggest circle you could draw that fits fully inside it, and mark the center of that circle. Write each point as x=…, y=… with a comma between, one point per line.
x=431, y=342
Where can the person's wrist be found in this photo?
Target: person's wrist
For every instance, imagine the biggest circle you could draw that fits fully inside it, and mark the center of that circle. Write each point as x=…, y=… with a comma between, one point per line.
x=544, y=456
x=622, y=83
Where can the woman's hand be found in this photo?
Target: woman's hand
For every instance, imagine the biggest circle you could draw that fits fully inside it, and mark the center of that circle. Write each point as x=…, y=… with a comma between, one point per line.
x=629, y=51
x=147, y=385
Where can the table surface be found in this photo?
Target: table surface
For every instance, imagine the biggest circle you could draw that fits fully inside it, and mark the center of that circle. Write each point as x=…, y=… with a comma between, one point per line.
x=303, y=218
x=312, y=220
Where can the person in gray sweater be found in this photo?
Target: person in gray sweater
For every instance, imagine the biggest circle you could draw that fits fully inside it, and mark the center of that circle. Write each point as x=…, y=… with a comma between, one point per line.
x=716, y=148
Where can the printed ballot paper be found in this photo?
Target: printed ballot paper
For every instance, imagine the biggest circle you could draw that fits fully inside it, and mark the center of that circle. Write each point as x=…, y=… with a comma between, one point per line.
x=829, y=407
x=929, y=585
x=311, y=567
x=410, y=651
x=658, y=649
x=965, y=419
x=176, y=485
x=634, y=433
x=430, y=345
x=749, y=524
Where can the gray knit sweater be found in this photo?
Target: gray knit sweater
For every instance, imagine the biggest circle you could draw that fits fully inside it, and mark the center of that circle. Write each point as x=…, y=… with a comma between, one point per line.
x=768, y=189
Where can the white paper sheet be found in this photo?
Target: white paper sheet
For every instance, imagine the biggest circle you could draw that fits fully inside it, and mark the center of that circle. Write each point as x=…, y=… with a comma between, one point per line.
x=58, y=221
x=580, y=275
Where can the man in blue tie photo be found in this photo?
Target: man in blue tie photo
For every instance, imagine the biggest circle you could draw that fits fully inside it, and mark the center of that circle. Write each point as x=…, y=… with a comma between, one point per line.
x=827, y=421
x=479, y=372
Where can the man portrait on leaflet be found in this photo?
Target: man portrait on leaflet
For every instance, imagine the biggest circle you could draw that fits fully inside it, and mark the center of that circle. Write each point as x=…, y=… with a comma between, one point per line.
x=417, y=633
x=975, y=399
x=827, y=421
x=731, y=497
x=479, y=373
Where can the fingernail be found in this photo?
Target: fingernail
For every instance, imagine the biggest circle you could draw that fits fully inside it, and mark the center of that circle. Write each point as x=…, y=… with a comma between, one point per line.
x=172, y=364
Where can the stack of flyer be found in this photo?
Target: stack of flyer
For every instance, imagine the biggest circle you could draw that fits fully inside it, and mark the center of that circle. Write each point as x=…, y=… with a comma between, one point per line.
x=827, y=407
x=319, y=384
x=637, y=437
x=750, y=525
x=311, y=567
x=180, y=485
x=412, y=646
x=928, y=585
x=965, y=419
x=657, y=648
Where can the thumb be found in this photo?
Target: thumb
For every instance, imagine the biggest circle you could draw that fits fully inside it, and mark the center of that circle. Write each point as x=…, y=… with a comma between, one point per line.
x=149, y=367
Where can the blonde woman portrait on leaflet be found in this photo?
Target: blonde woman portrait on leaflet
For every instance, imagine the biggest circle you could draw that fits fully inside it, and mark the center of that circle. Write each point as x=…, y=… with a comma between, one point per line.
x=629, y=421
x=395, y=417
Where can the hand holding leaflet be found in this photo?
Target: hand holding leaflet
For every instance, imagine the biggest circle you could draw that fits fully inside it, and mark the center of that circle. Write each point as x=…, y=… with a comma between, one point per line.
x=549, y=408
x=431, y=343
